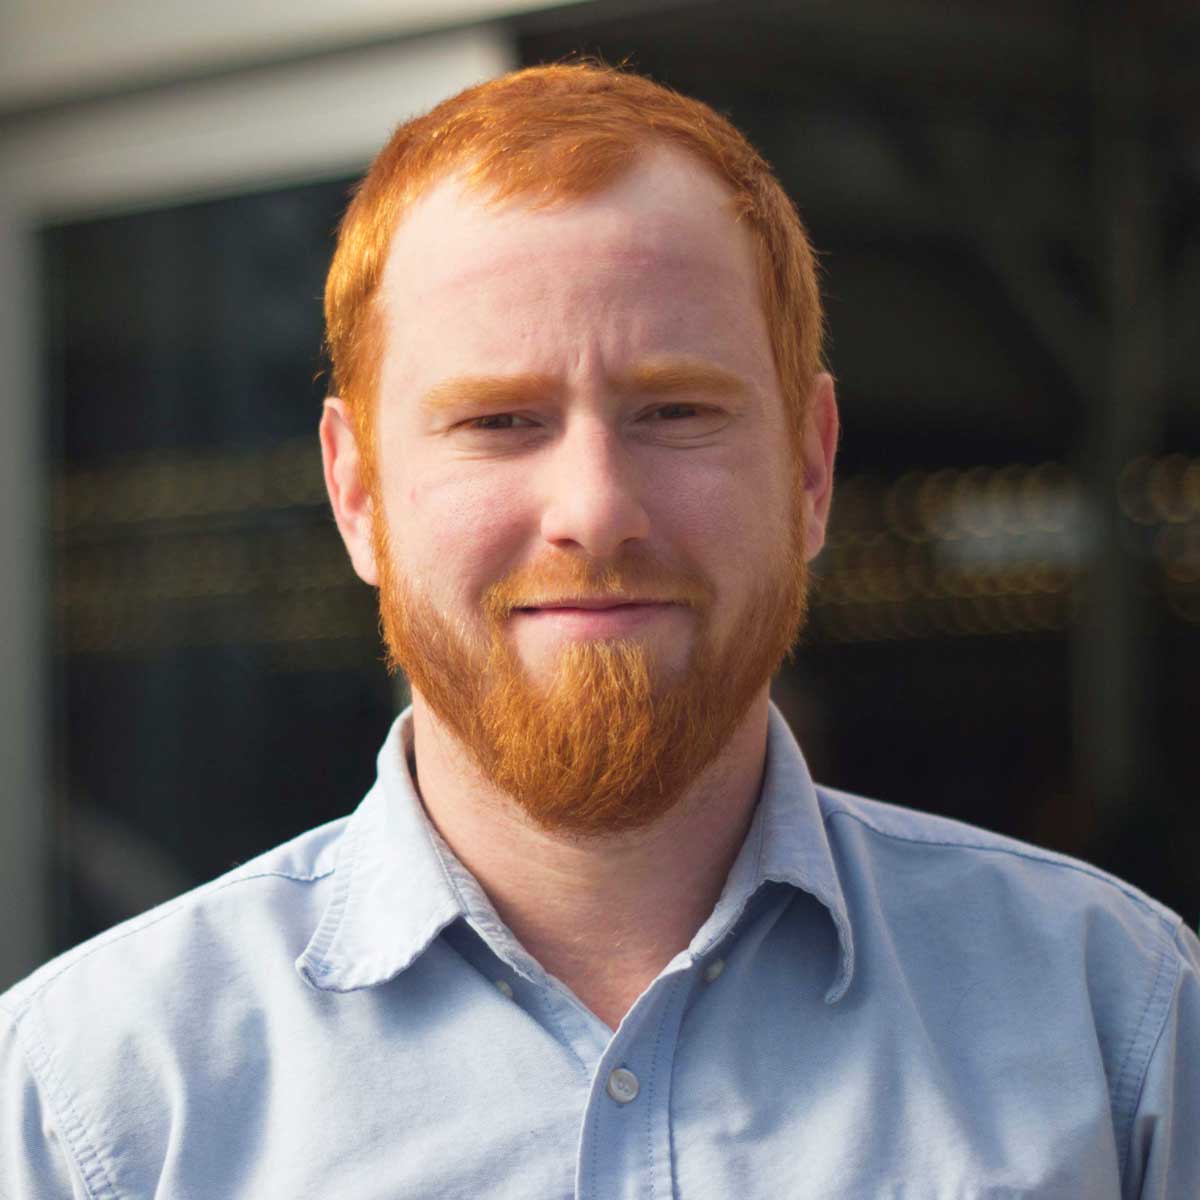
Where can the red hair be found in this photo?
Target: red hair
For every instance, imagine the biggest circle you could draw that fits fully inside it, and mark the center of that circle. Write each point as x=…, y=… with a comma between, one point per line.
x=548, y=134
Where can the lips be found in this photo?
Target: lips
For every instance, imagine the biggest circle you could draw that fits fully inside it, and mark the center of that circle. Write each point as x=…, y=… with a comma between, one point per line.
x=598, y=618
x=588, y=605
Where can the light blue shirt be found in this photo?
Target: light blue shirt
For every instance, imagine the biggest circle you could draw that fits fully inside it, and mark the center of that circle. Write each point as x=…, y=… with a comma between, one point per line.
x=882, y=1004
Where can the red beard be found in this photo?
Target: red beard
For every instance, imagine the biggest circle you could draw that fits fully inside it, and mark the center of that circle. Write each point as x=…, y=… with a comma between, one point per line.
x=607, y=743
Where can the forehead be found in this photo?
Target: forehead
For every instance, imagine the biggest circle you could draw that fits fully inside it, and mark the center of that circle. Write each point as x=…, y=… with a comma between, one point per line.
x=655, y=263
x=667, y=211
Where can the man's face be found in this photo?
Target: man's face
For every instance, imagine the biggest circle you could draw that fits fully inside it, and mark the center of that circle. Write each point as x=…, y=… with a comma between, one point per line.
x=588, y=534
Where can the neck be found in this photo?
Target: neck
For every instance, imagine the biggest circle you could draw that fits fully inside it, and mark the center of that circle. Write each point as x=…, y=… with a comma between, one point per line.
x=603, y=914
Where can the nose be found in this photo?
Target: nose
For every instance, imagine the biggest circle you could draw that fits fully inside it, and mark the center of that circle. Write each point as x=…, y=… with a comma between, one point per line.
x=593, y=498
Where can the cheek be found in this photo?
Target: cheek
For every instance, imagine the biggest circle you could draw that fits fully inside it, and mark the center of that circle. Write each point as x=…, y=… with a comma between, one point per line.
x=454, y=531
x=729, y=513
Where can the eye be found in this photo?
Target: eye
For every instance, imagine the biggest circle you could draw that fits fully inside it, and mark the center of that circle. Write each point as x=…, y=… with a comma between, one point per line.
x=682, y=423
x=498, y=422
x=673, y=412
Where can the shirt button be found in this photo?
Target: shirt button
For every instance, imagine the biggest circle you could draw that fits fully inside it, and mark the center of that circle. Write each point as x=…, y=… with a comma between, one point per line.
x=714, y=969
x=504, y=988
x=623, y=1085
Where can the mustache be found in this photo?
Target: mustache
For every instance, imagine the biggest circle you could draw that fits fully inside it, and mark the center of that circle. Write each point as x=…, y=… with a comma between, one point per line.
x=567, y=577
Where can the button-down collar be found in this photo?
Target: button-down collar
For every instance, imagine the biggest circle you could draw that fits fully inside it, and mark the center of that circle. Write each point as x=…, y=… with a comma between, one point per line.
x=398, y=885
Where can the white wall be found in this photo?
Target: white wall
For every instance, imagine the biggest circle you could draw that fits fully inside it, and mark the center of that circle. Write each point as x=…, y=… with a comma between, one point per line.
x=260, y=127
x=51, y=49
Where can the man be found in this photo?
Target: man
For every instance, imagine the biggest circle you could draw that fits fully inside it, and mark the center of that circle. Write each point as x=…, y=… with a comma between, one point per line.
x=595, y=932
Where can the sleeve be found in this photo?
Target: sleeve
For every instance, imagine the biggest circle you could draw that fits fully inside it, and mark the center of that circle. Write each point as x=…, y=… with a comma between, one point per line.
x=33, y=1163
x=1164, y=1154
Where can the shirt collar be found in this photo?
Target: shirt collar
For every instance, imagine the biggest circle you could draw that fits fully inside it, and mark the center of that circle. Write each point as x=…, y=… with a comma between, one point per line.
x=395, y=888
x=391, y=894
x=788, y=843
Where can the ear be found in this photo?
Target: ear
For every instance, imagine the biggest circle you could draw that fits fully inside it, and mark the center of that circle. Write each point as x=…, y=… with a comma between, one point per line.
x=819, y=448
x=353, y=505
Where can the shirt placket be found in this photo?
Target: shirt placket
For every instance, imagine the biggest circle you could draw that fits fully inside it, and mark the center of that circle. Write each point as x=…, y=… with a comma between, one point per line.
x=625, y=1137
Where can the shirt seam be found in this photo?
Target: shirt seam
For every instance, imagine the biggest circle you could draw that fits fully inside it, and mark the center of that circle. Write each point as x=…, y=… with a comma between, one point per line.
x=1137, y=1087
x=652, y=1082
x=316, y=954
x=758, y=878
x=354, y=865
x=595, y=1140
x=172, y=909
x=96, y=1180
x=1029, y=855
x=760, y=848
x=448, y=877
x=428, y=828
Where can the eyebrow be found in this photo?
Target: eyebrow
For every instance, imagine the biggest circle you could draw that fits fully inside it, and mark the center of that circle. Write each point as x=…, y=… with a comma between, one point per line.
x=676, y=376
x=487, y=391
x=657, y=377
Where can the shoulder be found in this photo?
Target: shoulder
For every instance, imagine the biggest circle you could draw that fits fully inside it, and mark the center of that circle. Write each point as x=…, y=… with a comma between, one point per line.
x=268, y=904
x=944, y=844
x=1074, y=975
x=967, y=903
x=935, y=883
x=94, y=1045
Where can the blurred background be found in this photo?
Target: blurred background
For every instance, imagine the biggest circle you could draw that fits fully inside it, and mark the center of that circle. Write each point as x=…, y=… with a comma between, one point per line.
x=1006, y=622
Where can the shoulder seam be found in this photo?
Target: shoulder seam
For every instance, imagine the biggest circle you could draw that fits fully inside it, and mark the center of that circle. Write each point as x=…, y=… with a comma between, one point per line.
x=77, y=1143
x=1137, y=1084
x=1029, y=855
x=171, y=908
